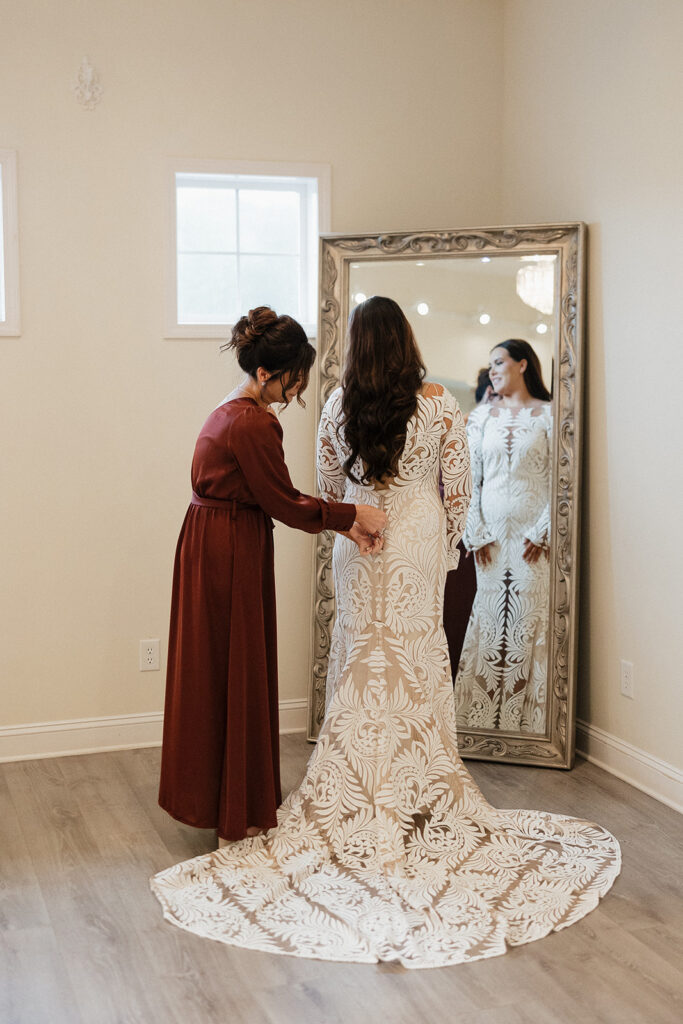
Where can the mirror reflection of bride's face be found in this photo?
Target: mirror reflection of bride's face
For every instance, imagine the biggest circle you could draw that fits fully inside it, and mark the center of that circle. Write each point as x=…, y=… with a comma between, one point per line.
x=506, y=373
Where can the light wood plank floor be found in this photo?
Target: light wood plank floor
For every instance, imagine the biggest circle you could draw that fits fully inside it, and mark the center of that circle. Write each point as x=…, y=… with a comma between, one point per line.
x=82, y=939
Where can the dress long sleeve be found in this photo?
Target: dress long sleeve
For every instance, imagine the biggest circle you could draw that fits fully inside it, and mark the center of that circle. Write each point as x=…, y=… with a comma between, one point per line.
x=539, y=533
x=331, y=477
x=256, y=441
x=456, y=476
x=477, y=534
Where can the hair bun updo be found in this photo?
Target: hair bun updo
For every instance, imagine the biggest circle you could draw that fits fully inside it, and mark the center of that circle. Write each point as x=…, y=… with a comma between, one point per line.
x=250, y=328
x=258, y=321
x=277, y=343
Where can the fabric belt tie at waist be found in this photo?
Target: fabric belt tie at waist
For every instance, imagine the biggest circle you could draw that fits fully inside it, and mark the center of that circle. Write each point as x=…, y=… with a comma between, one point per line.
x=231, y=505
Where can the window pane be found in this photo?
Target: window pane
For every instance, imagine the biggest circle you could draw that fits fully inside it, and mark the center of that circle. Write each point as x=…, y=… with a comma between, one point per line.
x=269, y=221
x=270, y=281
x=207, y=289
x=206, y=219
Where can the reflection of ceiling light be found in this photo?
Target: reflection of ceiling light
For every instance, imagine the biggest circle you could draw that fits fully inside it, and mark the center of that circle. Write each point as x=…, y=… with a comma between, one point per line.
x=355, y=266
x=486, y=259
x=360, y=297
x=485, y=318
x=420, y=263
x=535, y=284
x=541, y=328
x=422, y=308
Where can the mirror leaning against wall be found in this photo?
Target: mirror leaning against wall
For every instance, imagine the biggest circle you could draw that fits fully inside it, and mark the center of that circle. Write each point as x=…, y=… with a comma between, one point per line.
x=494, y=310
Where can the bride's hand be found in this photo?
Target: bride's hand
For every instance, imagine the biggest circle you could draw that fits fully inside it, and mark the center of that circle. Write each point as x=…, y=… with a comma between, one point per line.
x=370, y=519
x=367, y=545
x=532, y=552
x=483, y=555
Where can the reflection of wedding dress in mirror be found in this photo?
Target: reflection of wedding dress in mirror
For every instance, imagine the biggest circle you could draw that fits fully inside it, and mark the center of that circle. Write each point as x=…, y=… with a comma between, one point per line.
x=388, y=850
x=501, y=681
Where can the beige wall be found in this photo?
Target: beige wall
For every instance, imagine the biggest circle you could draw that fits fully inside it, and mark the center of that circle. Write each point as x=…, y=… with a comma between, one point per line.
x=98, y=413
x=405, y=101
x=592, y=131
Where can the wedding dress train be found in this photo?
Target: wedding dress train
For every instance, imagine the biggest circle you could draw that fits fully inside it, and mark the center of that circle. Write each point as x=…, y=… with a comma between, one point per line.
x=388, y=850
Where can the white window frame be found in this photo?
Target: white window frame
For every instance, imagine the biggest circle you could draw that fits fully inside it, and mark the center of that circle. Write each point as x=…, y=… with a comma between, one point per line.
x=321, y=172
x=10, y=327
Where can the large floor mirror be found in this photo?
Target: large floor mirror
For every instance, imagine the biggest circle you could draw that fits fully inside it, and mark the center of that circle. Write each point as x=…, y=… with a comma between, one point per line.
x=511, y=624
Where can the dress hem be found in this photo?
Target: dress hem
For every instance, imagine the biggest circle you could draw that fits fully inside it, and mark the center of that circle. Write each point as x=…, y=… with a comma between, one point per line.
x=193, y=824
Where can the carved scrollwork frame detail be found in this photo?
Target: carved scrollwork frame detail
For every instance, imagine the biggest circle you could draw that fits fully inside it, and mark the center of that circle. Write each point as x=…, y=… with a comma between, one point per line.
x=568, y=243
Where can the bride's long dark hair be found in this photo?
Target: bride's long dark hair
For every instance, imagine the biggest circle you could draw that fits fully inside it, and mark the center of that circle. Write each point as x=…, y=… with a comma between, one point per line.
x=382, y=377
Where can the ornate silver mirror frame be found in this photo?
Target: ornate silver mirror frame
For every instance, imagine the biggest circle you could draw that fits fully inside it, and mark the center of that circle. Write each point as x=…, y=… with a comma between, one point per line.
x=567, y=242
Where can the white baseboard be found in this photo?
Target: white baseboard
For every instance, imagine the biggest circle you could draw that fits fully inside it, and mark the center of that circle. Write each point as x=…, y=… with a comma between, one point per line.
x=124, y=732
x=293, y=716
x=114, y=732
x=640, y=769
x=79, y=736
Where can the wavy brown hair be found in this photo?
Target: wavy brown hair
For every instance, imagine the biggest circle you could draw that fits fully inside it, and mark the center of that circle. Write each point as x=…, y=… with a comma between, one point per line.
x=382, y=377
x=277, y=343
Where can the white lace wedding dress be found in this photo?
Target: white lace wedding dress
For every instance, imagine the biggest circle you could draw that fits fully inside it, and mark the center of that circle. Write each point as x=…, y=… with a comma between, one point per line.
x=501, y=681
x=388, y=850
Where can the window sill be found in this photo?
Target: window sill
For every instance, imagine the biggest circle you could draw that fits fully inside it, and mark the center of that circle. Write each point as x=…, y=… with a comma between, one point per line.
x=212, y=332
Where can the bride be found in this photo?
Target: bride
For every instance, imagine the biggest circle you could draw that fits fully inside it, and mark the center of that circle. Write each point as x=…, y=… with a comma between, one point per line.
x=388, y=850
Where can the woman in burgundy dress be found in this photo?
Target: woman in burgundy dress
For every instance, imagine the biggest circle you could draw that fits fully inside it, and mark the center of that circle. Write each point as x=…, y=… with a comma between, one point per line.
x=220, y=754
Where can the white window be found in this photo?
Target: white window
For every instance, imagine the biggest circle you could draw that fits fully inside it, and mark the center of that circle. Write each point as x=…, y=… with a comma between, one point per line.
x=244, y=235
x=9, y=245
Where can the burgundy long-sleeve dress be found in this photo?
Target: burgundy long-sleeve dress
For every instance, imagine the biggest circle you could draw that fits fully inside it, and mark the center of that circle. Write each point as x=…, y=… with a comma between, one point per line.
x=220, y=755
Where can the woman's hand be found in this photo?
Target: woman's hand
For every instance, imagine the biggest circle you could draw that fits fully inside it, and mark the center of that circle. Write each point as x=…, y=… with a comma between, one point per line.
x=483, y=555
x=367, y=545
x=370, y=519
x=532, y=552
x=367, y=530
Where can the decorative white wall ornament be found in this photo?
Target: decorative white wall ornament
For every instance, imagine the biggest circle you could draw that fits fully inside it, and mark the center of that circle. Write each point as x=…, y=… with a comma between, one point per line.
x=87, y=86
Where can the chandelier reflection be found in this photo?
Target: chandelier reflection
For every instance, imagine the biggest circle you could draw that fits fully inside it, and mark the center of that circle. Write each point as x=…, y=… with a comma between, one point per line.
x=535, y=283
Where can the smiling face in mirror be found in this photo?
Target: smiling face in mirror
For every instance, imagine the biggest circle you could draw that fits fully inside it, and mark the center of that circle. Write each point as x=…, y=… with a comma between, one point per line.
x=505, y=373
x=470, y=315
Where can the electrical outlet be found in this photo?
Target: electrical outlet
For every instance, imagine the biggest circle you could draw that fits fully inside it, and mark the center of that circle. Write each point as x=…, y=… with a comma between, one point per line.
x=627, y=679
x=149, y=655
